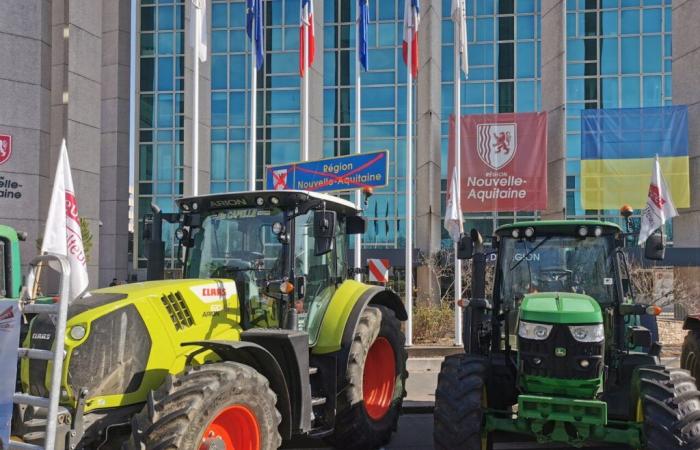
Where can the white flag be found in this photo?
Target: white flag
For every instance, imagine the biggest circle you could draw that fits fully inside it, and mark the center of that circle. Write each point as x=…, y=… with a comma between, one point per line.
x=459, y=17
x=453, y=214
x=62, y=233
x=198, y=12
x=659, y=205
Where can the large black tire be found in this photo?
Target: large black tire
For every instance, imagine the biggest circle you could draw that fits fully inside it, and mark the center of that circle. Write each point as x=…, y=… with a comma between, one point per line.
x=459, y=404
x=354, y=427
x=669, y=406
x=178, y=413
x=690, y=356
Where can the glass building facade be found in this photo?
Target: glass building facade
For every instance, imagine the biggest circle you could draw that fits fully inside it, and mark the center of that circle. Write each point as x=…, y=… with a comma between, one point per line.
x=618, y=54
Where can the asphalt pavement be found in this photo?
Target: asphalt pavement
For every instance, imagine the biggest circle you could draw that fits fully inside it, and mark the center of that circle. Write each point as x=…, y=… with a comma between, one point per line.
x=415, y=431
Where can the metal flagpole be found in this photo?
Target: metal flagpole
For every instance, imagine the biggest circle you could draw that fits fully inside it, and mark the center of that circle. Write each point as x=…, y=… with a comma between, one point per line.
x=195, y=113
x=253, y=113
x=305, y=117
x=358, y=141
x=409, y=191
x=458, y=174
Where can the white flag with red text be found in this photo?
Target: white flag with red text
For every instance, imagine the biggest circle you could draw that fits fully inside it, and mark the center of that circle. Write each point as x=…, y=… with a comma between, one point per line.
x=659, y=205
x=62, y=232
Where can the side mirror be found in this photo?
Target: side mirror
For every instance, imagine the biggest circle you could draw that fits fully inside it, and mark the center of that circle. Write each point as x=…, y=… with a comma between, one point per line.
x=324, y=231
x=640, y=337
x=355, y=225
x=654, y=248
x=465, y=247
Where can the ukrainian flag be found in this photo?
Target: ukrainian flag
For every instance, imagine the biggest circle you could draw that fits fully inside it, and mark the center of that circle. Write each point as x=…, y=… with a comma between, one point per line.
x=618, y=147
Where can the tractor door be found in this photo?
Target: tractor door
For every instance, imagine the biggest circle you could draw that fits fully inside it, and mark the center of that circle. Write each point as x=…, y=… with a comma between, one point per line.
x=319, y=274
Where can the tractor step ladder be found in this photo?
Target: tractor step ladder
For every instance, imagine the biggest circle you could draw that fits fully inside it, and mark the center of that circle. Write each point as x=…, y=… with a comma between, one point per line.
x=60, y=311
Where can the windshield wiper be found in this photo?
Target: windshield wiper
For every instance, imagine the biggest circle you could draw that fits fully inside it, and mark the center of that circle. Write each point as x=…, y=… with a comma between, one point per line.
x=530, y=252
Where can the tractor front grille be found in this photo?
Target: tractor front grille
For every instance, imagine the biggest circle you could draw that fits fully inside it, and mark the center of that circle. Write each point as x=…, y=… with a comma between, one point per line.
x=568, y=366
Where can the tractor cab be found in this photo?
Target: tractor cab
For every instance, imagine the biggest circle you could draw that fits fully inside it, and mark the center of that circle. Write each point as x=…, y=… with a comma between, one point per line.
x=285, y=250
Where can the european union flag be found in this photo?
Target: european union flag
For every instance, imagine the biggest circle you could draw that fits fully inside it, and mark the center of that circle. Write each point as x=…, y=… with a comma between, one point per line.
x=254, y=27
x=618, y=149
x=363, y=20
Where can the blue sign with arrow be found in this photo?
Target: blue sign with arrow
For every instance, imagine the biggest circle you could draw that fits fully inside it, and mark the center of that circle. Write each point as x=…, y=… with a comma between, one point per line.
x=343, y=173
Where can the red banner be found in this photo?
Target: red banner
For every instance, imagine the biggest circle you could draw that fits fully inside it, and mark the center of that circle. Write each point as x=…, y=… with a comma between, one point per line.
x=504, y=162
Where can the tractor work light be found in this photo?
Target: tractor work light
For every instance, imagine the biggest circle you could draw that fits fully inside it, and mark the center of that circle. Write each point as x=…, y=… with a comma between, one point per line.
x=536, y=361
x=259, y=201
x=274, y=200
x=195, y=206
x=597, y=231
x=185, y=207
x=277, y=228
x=588, y=333
x=583, y=231
x=515, y=233
x=584, y=363
x=77, y=332
x=536, y=331
x=529, y=232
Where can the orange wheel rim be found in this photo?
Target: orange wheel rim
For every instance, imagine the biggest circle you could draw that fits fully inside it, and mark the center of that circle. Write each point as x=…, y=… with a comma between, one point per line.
x=236, y=426
x=379, y=379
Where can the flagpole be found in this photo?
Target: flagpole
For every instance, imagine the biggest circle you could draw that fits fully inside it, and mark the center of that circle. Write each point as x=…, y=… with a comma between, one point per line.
x=253, y=113
x=195, y=113
x=409, y=191
x=358, y=141
x=305, y=117
x=458, y=174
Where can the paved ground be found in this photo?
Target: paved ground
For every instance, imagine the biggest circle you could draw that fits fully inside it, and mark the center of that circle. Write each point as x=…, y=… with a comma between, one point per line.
x=416, y=425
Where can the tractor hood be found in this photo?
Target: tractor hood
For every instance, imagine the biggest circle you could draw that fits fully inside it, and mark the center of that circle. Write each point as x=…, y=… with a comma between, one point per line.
x=560, y=308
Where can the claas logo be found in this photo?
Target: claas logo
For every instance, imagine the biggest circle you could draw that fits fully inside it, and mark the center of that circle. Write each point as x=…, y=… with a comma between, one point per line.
x=214, y=292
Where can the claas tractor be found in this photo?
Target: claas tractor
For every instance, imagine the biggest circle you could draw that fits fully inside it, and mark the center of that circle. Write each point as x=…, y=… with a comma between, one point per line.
x=265, y=337
x=556, y=353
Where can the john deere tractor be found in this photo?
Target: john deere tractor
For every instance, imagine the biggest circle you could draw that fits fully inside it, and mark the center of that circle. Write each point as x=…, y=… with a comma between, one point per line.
x=555, y=354
x=265, y=338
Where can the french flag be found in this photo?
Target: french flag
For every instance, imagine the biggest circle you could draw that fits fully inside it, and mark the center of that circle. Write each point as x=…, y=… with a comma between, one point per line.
x=411, y=20
x=307, y=19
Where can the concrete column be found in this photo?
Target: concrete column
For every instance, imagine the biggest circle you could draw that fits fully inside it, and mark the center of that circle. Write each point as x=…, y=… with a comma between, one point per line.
x=76, y=74
x=204, y=109
x=554, y=103
x=25, y=88
x=428, y=226
x=114, y=159
x=686, y=79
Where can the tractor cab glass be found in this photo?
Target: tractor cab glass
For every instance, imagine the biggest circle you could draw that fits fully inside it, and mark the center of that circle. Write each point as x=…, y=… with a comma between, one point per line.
x=556, y=263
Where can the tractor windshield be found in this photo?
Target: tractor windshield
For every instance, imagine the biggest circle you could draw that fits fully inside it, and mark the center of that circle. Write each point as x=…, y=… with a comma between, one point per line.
x=556, y=264
x=231, y=241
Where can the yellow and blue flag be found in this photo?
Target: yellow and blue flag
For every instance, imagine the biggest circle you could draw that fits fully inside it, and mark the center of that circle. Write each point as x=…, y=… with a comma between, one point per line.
x=618, y=149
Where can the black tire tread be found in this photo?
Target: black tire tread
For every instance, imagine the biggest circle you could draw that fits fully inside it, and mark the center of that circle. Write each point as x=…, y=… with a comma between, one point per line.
x=690, y=354
x=354, y=429
x=176, y=412
x=458, y=416
x=671, y=407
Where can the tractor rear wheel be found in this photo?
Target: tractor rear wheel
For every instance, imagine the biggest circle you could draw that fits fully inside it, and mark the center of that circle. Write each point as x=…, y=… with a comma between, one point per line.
x=460, y=401
x=223, y=405
x=668, y=405
x=370, y=404
x=690, y=357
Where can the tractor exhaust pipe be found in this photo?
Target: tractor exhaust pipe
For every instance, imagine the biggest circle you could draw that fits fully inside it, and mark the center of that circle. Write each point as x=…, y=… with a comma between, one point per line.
x=472, y=247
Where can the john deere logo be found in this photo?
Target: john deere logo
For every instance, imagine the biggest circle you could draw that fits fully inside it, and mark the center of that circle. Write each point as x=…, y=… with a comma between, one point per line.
x=560, y=352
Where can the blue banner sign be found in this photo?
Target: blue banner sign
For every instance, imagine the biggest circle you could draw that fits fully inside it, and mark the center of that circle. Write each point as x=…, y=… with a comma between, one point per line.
x=344, y=173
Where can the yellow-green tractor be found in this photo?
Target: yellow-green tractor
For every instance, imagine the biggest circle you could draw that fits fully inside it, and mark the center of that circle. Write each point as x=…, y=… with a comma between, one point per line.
x=266, y=337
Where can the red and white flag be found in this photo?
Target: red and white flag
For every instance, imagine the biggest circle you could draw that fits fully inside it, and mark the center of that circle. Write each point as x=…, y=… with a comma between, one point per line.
x=411, y=20
x=307, y=20
x=659, y=205
x=62, y=232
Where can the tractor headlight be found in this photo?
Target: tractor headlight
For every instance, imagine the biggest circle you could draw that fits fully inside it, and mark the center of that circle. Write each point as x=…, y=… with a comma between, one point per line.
x=588, y=333
x=536, y=331
x=78, y=332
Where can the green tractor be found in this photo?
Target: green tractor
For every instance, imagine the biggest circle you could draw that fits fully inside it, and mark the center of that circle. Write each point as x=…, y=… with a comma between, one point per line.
x=265, y=338
x=10, y=265
x=556, y=354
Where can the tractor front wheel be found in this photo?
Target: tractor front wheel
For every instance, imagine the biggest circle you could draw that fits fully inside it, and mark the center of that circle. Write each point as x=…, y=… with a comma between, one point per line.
x=668, y=406
x=690, y=357
x=370, y=404
x=223, y=405
x=460, y=401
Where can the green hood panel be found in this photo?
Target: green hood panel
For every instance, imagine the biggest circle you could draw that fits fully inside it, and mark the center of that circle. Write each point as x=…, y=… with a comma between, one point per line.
x=560, y=307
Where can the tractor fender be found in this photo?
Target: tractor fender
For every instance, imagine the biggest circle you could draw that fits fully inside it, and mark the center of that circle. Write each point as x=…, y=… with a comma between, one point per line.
x=692, y=323
x=343, y=313
x=260, y=359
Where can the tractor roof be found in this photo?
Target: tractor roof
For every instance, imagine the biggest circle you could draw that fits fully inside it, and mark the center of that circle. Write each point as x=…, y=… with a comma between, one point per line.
x=287, y=199
x=560, y=225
